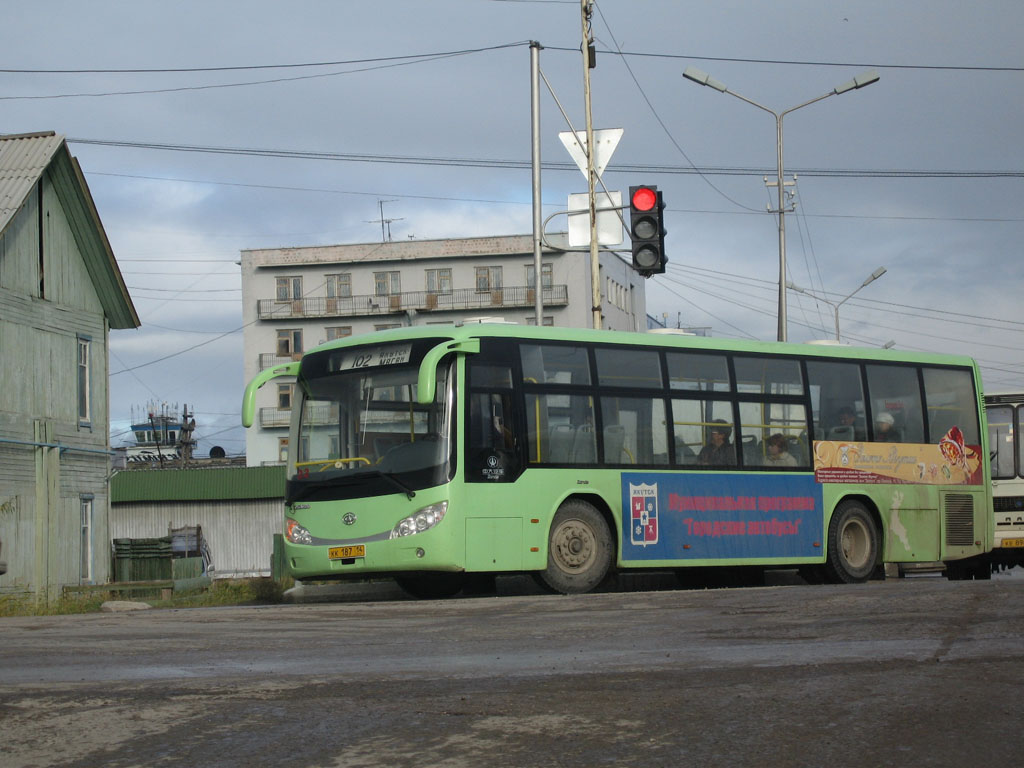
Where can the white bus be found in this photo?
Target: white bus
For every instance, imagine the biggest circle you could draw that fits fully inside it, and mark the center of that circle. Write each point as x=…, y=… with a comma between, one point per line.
x=1006, y=446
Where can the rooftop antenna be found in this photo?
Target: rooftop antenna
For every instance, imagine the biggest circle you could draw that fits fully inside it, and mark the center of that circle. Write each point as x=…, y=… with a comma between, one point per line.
x=382, y=221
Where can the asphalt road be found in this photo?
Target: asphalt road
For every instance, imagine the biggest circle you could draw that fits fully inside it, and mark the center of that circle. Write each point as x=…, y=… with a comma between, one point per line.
x=914, y=671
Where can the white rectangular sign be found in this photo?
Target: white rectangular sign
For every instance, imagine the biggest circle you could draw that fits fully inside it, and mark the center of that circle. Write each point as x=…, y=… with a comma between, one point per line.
x=609, y=225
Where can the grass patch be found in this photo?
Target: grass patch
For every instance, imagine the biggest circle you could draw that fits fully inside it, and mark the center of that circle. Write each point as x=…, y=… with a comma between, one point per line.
x=255, y=591
x=19, y=605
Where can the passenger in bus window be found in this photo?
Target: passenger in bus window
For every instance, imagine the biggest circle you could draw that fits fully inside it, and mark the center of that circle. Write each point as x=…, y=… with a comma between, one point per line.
x=847, y=429
x=885, y=432
x=719, y=451
x=778, y=452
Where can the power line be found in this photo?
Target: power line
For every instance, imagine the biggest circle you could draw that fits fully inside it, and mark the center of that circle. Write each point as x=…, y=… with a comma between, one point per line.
x=402, y=195
x=415, y=57
x=495, y=163
x=179, y=89
x=252, y=67
x=800, y=62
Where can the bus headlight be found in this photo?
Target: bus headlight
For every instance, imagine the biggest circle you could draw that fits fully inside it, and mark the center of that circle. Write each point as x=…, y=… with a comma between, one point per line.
x=422, y=520
x=296, y=534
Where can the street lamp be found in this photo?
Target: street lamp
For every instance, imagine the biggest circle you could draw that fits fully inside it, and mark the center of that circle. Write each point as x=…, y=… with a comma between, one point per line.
x=871, y=278
x=703, y=78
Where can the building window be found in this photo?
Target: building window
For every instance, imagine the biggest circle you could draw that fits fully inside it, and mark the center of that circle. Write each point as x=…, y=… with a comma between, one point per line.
x=339, y=286
x=289, y=343
x=439, y=280
x=548, y=320
x=386, y=326
x=84, y=384
x=546, y=276
x=289, y=288
x=85, y=504
x=488, y=279
x=338, y=332
x=387, y=283
x=284, y=397
x=282, y=449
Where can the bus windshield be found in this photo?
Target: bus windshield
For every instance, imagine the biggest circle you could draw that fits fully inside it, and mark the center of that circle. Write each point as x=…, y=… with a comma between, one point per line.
x=361, y=431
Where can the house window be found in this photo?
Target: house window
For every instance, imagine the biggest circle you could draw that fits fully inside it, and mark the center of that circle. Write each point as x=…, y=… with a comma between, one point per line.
x=289, y=288
x=284, y=397
x=386, y=283
x=546, y=276
x=488, y=279
x=289, y=343
x=282, y=449
x=338, y=332
x=84, y=388
x=85, y=504
x=386, y=326
x=339, y=286
x=439, y=281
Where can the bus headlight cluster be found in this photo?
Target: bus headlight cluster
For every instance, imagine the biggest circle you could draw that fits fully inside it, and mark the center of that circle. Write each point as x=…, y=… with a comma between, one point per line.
x=296, y=534
x=422, y=520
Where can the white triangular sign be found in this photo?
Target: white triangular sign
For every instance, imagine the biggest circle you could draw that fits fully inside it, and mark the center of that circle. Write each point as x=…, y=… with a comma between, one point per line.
x=605, y=142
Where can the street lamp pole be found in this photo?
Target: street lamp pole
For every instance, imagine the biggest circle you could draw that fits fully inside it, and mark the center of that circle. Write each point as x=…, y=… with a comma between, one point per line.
x=835, y=306
x=703, y=78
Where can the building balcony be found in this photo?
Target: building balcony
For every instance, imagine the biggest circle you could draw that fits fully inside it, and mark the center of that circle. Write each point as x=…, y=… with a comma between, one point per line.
x=275, y=417
x=270, y=360
x=316, y=415
x=460, y=299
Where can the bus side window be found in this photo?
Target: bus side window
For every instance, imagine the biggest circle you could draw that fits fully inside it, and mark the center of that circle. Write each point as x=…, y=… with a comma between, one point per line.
x=946, y=391
x=894, y=389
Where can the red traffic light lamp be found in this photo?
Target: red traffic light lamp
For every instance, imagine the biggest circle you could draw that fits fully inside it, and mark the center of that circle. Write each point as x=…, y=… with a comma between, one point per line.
x=647, y=229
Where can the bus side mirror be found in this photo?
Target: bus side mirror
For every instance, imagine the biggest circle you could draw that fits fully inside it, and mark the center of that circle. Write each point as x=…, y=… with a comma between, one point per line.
x=426, y=383
x=249, y=398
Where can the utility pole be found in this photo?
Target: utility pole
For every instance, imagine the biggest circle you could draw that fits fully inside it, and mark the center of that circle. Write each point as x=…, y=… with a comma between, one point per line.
x=158, y=436
x=586, y=8
x=538, y=224
x=185, y=436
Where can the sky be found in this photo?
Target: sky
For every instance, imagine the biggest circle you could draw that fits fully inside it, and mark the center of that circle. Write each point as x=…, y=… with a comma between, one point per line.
x=205, y=128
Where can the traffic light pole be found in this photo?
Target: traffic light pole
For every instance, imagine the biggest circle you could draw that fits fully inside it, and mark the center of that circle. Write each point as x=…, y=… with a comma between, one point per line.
x=595, y=265
x=538, y=226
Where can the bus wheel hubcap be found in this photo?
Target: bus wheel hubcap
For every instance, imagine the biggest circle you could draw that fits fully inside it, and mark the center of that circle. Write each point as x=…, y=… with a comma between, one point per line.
x=573, y=545
x=855, y=544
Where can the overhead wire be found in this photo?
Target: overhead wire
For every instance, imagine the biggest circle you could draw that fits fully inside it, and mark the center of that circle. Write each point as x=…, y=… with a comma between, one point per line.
x=393, y=63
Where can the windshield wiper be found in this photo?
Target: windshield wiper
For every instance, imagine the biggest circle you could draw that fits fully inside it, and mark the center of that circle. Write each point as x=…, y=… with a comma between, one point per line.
x=391, y=479
x=305, y=491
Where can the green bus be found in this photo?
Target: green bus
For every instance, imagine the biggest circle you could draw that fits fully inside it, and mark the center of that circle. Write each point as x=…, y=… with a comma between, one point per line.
x=434, y=453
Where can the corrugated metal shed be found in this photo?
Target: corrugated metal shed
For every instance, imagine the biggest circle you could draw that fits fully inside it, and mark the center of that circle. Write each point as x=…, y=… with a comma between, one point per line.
x=220, y=484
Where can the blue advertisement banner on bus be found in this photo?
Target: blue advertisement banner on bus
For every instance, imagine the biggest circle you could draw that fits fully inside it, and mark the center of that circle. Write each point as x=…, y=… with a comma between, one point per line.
x=699, y=516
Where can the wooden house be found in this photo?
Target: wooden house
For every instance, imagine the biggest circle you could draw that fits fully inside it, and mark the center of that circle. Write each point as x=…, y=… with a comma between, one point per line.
x=60, y=294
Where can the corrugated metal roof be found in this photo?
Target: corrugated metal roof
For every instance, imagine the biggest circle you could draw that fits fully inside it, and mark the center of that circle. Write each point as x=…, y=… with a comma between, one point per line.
x=221, y=484
x=23, y=158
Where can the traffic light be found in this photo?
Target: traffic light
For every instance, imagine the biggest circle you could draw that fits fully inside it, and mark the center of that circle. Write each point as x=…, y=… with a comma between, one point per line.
x=647, y=229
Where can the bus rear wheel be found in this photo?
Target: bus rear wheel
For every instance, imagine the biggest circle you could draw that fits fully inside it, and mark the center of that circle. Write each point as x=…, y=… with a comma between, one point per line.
x=852, y=544
x=579, y=549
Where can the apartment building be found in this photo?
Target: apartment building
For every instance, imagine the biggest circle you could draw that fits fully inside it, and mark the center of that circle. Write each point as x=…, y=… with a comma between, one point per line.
x=297, y=298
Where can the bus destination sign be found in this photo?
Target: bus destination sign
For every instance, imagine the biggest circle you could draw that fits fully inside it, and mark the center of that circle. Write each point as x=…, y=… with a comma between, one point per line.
x=371, y=358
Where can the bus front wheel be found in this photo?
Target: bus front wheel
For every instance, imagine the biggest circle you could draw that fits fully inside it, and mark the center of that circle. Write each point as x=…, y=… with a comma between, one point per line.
x=579, y=549
x=852, y=544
